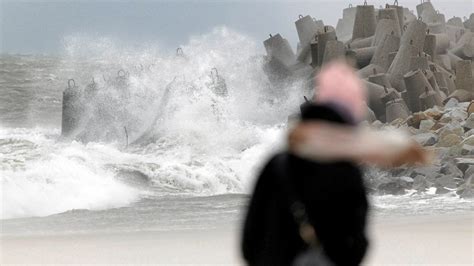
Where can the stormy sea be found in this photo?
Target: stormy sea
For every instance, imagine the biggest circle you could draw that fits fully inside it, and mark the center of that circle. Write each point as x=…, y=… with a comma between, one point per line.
x=173, y=155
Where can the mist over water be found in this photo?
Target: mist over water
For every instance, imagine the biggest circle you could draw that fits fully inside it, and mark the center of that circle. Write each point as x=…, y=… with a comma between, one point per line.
x=199, y=144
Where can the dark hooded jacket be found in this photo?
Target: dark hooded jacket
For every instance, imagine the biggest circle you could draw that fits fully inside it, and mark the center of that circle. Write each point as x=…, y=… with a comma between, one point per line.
x=333, y=194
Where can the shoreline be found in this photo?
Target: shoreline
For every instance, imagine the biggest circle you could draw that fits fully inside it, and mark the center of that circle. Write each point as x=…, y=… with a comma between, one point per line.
x=435, y=239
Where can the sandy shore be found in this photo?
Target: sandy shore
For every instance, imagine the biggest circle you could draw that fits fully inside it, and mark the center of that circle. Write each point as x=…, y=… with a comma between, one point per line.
x=441, y=240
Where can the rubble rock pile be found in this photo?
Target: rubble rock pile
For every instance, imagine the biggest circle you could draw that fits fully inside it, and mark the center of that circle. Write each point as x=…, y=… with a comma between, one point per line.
x=449, y=132
x=418, y=70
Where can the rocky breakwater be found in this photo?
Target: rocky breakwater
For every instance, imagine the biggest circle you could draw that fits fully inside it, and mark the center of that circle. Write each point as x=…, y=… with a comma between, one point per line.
x=449, y=132
x=418, y=70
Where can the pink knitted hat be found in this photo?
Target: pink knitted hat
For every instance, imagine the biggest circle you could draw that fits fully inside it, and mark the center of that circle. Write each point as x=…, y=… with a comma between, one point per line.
x=339, y=84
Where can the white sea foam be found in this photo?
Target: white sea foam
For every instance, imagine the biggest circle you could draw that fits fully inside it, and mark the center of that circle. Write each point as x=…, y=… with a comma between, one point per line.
x=201, y=144
x=41, y=177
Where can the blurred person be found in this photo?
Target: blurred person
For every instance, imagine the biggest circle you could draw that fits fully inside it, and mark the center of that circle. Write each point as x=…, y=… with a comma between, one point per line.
x=309, y=205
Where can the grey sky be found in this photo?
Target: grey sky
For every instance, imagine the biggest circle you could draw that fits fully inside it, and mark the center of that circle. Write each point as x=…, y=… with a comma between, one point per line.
x=39, y=26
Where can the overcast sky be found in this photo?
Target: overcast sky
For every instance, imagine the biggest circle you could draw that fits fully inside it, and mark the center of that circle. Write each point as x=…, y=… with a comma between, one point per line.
x=32, y=27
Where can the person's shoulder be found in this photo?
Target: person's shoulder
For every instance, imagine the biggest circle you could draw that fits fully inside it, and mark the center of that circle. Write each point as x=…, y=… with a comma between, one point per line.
x=278, y=158
x=275, y=163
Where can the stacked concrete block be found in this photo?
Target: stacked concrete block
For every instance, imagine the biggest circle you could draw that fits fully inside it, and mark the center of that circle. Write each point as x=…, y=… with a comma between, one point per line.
x=401, y=65
x=408, y=16
x=385, y=27
x=464, y=78
x=375, y=93
x=276, y=71
x=396, y=109
x=465, y=46
x=454, y=59
x=314, y=53
x=434, y=83
x=436, y=44
x=334, y=50
x=429, y=99
x=323, y=38
x=361, y=43
x=455, y=33
x=426, y=11
x=364, y=55
x=279, y=48
x=400, y=13
x=390, y=95
x=389, y=46
x=391, y=14
x=412, y=43
x=419, y=62
x=450, y=82
x=72, y=110
x=346, y=24
x=416, y=84
x=409, y=62
x=364, y=23
x=307, y=29
x=380, y=79
x=455, y=21
x=461, y=96
x=365, y=72
x=438, y=27
x=469, y=23
x=441, y=81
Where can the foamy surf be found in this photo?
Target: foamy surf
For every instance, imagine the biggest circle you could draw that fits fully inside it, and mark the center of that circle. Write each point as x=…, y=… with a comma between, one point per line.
x=200, y=145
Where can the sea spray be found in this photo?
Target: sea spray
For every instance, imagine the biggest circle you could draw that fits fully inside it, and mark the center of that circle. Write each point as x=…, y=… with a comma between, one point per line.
x=200, y=144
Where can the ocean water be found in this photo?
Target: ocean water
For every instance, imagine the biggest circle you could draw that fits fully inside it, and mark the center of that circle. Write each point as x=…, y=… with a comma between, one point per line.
x=195, y=166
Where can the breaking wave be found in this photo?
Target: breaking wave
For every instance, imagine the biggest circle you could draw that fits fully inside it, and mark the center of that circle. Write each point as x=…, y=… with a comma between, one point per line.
x=200, y=144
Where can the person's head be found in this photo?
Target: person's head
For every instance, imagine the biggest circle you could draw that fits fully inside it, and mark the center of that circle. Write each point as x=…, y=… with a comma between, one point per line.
x=342, y=90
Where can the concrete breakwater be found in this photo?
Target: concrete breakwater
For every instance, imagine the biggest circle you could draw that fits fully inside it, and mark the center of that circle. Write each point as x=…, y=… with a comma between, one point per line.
x=418, y=69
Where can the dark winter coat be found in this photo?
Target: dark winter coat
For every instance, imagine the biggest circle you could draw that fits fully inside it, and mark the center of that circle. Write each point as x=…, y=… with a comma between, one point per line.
x=335, y=200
